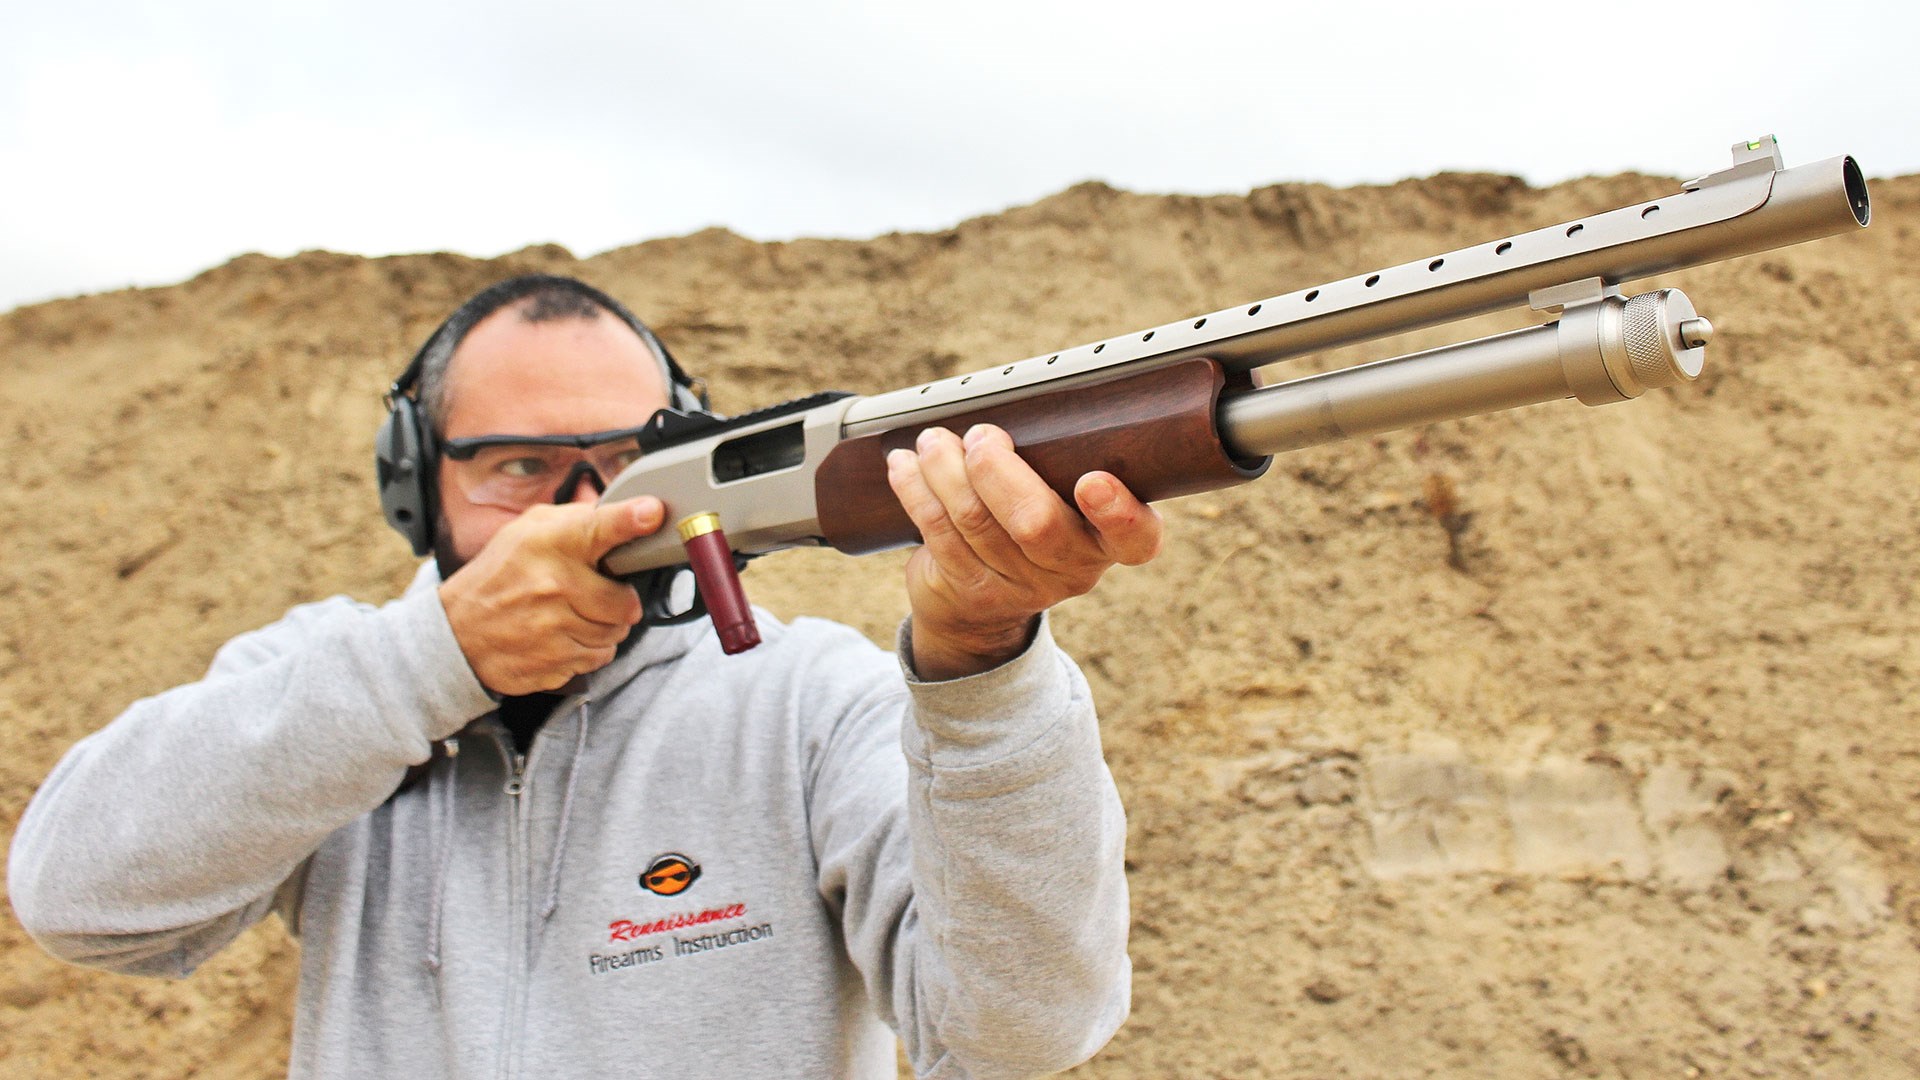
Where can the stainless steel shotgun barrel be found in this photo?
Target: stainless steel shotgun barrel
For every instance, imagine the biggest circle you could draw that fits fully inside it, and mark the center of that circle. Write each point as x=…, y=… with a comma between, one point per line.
x=1604, y=348
x=1754, y=205
x=759, y=471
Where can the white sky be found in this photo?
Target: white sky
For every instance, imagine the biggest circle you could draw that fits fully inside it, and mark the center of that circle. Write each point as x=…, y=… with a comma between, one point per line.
x=142, y=142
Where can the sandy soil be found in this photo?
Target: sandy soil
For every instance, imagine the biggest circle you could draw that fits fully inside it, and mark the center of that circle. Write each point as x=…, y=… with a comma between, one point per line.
x=1631, y=790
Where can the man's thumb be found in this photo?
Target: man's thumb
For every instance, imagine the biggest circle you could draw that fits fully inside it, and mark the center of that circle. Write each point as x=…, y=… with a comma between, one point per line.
x=615, y=523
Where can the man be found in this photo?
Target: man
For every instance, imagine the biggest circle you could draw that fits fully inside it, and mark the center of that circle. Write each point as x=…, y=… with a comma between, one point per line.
x=621, y=852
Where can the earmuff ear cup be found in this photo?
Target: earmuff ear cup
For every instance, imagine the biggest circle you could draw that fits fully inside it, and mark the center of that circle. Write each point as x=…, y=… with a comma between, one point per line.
x=402, y=453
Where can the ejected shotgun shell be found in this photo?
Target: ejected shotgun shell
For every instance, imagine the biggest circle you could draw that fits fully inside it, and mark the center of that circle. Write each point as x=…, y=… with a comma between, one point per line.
x=718, y=580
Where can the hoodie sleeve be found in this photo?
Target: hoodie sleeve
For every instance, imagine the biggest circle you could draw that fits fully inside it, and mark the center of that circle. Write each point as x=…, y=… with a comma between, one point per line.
x=991, y=927
x=160, y=837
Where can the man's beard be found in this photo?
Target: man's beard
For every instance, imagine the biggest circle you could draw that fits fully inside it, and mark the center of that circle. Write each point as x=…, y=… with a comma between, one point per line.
x=444, y=557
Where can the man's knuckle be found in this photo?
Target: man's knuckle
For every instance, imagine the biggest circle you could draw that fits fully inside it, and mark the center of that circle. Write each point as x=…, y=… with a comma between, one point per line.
x=1033, y=523
x=972, y=517
x=546, y=625
x=931, y=517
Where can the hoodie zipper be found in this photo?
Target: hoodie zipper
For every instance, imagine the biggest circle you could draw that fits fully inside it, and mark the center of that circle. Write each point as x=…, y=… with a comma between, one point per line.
x=518, y=904
x=520, y=894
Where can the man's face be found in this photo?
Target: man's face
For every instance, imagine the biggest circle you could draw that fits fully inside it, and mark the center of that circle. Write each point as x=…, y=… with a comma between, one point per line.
x=566, y=376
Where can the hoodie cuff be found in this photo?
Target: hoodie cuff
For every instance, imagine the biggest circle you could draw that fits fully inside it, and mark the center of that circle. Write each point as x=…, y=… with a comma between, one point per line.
x=429, y=657
x=989, y=716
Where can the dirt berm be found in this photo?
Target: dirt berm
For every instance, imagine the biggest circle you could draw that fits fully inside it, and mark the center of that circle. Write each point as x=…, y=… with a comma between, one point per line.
x=1562, y=742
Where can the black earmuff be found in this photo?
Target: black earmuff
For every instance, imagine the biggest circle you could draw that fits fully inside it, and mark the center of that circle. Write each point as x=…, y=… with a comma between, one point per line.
x=406, y=458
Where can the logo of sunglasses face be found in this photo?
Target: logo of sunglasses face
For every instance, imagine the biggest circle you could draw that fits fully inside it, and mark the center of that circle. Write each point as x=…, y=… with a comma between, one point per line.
x=670, y=874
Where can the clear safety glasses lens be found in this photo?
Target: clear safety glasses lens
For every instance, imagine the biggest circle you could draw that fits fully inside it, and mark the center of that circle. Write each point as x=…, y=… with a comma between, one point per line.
x=515, y=476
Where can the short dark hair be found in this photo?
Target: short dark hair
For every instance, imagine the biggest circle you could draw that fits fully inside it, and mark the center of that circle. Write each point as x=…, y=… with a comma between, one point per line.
x=546, y=298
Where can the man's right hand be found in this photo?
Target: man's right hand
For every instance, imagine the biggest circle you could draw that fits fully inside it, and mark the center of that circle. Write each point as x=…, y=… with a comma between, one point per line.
x=532, y=610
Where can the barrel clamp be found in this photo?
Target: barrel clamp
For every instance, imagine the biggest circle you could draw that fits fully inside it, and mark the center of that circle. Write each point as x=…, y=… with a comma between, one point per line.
x=1615, y=348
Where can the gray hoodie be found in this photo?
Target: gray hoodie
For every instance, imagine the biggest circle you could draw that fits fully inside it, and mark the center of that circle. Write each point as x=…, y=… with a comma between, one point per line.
x=815, y=885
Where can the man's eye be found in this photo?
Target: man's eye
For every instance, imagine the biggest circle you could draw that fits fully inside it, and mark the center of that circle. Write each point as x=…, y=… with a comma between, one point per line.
x=625, y=458
x=522, y=467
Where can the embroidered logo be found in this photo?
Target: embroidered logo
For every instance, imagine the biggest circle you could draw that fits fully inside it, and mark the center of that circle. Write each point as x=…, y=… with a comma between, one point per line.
x=628, y=930
x=670, y=874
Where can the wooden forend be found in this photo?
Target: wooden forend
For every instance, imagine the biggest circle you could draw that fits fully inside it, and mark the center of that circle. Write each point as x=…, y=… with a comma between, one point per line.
x=1156, y=431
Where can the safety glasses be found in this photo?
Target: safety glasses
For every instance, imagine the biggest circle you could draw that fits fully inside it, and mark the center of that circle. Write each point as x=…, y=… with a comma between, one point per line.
x=513, y=472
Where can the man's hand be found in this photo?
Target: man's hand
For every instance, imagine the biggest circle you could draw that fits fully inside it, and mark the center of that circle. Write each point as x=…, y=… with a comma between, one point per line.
x=1000, y=547
x=532, y=610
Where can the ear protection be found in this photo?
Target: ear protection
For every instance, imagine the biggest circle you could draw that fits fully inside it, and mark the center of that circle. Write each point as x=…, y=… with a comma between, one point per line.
x=406, y=457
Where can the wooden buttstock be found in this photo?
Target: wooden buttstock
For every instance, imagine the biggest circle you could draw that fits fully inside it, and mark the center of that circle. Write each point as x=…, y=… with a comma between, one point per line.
x=1155, y=431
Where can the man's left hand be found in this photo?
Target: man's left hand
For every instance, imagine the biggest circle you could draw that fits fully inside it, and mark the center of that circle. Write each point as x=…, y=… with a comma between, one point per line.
x=999, y=547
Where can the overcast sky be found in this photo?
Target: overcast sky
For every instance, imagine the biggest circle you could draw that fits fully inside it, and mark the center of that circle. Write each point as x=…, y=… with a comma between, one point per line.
x=143, y=142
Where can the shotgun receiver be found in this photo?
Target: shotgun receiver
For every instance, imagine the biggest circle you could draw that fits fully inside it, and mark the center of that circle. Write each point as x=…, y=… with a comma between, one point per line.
x=1172, y=410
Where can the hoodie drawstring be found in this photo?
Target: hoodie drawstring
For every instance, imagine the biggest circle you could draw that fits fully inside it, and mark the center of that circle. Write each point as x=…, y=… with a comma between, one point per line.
x=442, y=855
x=566, y=817
x=443, y=838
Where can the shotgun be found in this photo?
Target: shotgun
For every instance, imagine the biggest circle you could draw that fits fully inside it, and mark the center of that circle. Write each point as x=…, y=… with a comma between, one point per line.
x=1173, y=410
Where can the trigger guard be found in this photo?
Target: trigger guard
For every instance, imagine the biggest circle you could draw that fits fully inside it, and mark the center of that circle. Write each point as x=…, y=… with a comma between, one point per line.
x=656, y=594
